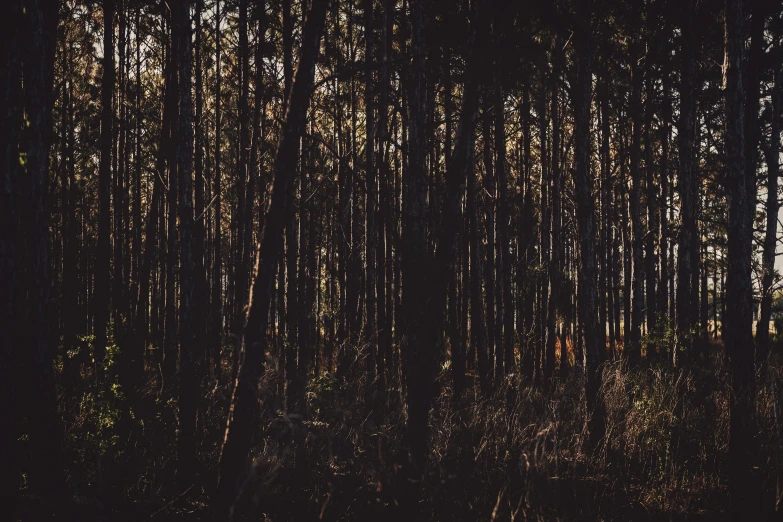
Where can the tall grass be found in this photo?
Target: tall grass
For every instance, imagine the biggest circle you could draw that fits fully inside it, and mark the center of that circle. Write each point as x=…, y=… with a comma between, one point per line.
x=520, y=453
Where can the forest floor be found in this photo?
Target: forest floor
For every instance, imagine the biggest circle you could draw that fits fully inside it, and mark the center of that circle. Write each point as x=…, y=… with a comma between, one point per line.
x=520, y=454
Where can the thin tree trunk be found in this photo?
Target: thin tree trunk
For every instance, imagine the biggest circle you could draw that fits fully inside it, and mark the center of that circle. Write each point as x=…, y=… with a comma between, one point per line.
x=544, y=235
x=635, y=204
x=496, y=355
x=384, y=247
x=477, y=324
x=663, y=286
x=101, y=289
x=504, y=217
x=188, y=384
x=216, y=301
x=585, y=213
x=650, y=258
x=372, y=197
x=772, y=154
x=415, y=252
x=170, y=354
x=687, y=184
x=607, y=258
x=200, y=276
x=555, y=268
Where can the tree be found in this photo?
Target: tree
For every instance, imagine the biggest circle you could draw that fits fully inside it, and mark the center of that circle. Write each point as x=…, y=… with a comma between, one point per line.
x=9, y=244
x=738, y=335
x=237, y=442
x=772, y=155
x=33, y=352
x=687, y=183
x=101, y=291
x=585, y=209
x=186, y=451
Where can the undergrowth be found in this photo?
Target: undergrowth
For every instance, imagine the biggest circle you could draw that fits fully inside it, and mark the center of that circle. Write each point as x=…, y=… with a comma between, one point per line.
x=519, y=454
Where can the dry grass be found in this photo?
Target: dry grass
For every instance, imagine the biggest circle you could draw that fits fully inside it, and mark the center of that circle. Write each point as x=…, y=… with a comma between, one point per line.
x=519, y=454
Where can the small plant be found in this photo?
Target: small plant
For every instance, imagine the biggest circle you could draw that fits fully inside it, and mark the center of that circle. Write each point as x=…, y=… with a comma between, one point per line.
x=320, y=393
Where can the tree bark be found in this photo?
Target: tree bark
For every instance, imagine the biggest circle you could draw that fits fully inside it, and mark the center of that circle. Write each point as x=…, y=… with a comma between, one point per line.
x=738, y=335
x=772, y=155
x=36, y=391
x=555, y=264
x=585, y=214
x=188, y=385
x=216, y=301
x=372, y=197
x=170, y=352
x=426, y=279
x=101, y=289
x=687, y=185
x=10, y=112
x=504, y=218
x=244, y=402
x=635, y=206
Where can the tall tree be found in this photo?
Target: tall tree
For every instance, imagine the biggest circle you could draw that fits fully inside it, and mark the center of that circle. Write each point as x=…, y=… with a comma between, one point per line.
x=415, y=251
x=239, y=427
x=36, y=387
x=10, y=112
x=585, y=212
x=687, y=183
x=216, y=303
x=372, y=191
x=772, y=156
x=101, y=289
x=555, y=266
x=188, y=391
x=738, y=334
x=635, y=207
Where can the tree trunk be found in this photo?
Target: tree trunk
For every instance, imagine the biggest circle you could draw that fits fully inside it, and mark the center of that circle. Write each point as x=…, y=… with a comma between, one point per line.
x=170, y=354
x=244, y=402
x=555, y=268
x=200, y=277
x=216, y=301
x=635, y=206
x=34, y=353
x=686, y=178
x=10, y=112
x=188, y=384
x=372, y=196
x=585, y=214
x=101, y=289
x=415, y=254
x=650, y=258
x=427, y=278
x=738, y=335
x=504, y=218
x=607, y=258
x=544, y=235
x=495, y=354
x=663, y=287
x=772, y=154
